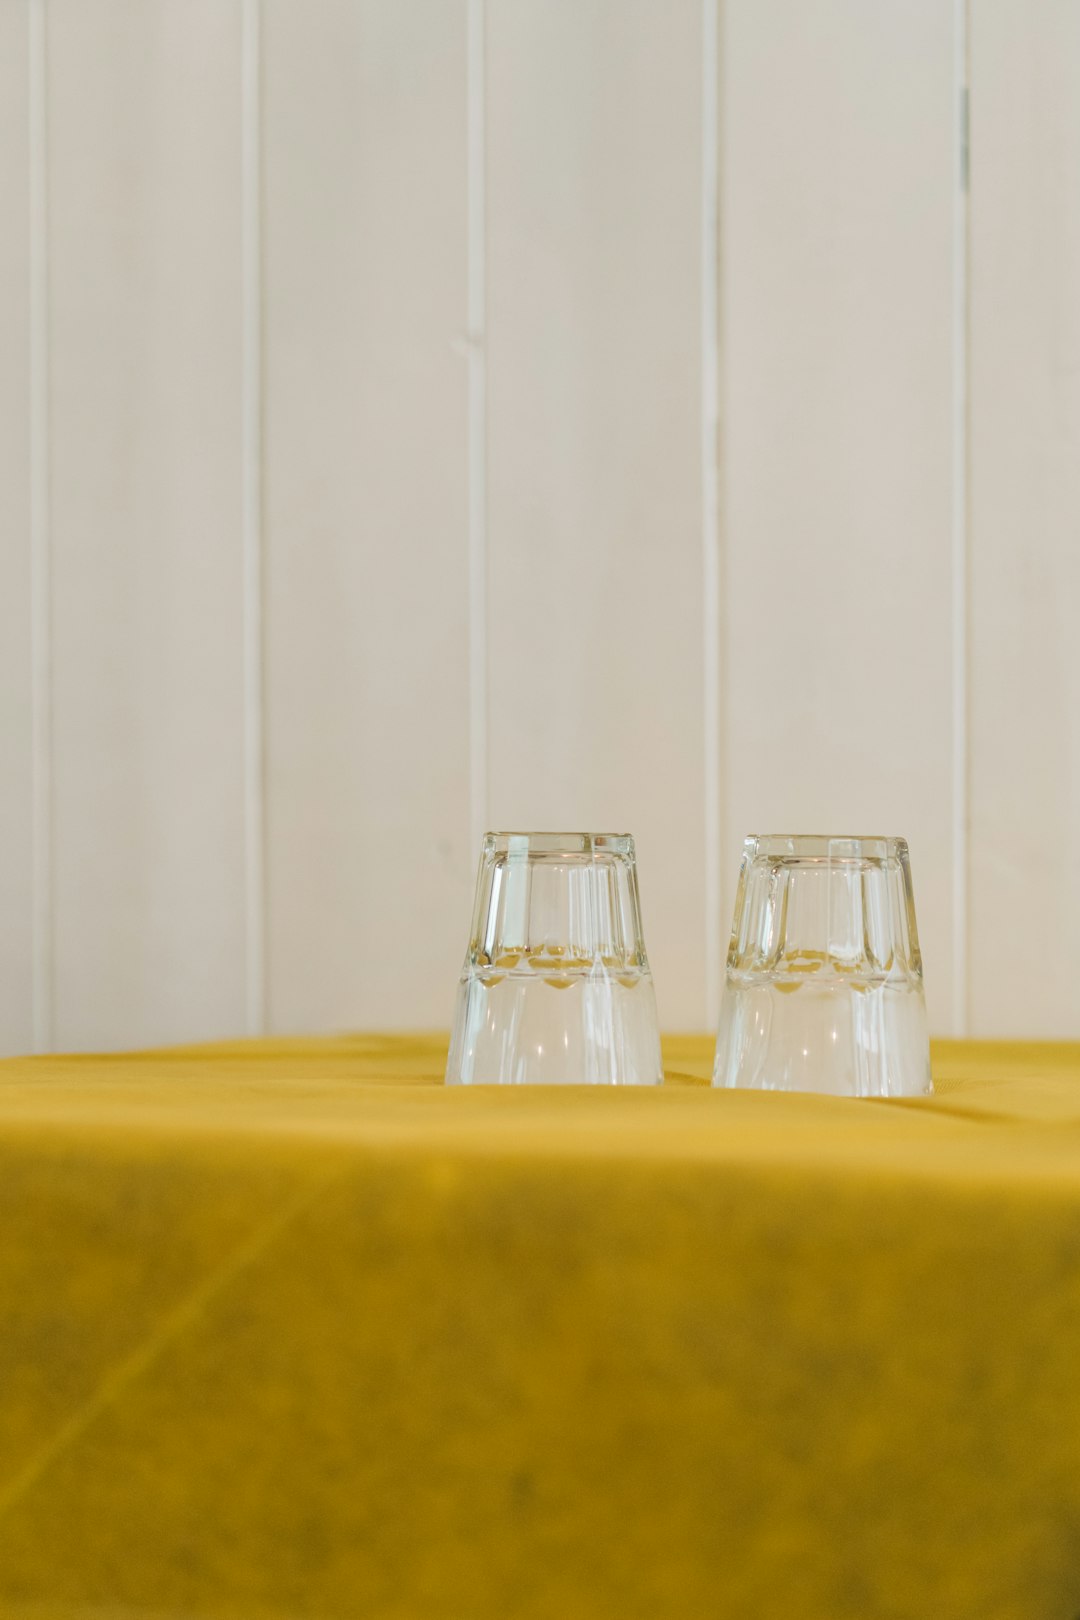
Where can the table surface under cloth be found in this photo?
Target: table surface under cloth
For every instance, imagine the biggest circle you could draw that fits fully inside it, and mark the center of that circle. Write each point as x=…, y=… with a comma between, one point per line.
x=289, y=1329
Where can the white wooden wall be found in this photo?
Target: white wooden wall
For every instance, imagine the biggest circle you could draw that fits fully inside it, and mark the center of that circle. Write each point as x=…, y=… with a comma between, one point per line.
x=424, y=415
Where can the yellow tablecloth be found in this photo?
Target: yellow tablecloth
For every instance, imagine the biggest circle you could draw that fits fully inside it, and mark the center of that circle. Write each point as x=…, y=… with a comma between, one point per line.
x=289, y=1329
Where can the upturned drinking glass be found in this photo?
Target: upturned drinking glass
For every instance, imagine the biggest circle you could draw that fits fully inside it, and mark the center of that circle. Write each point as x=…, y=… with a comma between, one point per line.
x=556, y=987
x=824, y=982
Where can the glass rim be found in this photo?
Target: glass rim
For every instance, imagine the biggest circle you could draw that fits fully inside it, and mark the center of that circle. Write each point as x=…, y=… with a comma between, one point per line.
x=834, y=847
x=558, y=843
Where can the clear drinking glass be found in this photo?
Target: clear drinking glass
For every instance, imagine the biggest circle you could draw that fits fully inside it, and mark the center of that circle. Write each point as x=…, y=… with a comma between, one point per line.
x=824, y=983
x=556, y=987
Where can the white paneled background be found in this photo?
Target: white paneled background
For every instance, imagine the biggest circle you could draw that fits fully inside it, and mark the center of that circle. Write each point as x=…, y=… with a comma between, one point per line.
x=424, y=415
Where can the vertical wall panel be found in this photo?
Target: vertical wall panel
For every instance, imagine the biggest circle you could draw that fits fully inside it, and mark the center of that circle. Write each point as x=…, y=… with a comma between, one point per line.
x=1025, y=455
x=145, y=415
x=15, y=724
x=594, y=444
x=838, y=122
x=369, y=863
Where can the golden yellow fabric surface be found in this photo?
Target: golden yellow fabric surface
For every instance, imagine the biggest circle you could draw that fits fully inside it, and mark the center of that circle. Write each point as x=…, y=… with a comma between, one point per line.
x=287, y=1329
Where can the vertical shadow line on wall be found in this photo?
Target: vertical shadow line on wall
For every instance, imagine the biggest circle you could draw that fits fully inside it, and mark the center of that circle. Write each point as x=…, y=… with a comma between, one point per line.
x=477, y=420
x=712, y=583
x=251, y=518
x=961, y=520
x=42, y=921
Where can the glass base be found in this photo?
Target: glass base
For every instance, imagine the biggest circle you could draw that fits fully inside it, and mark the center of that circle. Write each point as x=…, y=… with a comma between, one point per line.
x=557, y=1028
x=844, y=1039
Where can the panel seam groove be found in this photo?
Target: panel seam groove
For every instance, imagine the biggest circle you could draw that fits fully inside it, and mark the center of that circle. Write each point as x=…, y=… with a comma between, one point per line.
x=254, y=716
x=43, y=967
x=713, y=627
x=477, y=421
x=961, y=525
